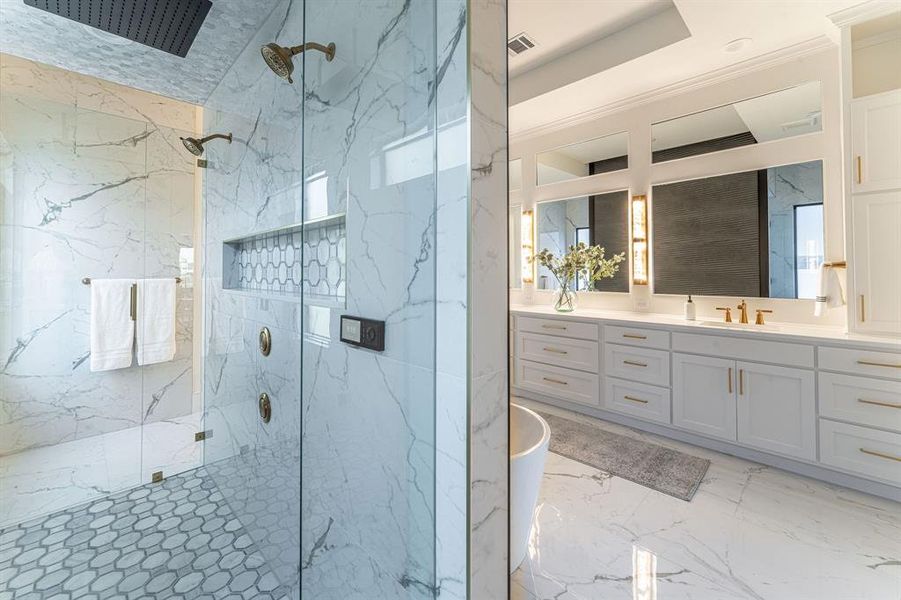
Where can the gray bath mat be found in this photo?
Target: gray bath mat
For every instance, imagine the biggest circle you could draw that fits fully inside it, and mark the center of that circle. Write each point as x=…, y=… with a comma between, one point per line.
x=651, y=465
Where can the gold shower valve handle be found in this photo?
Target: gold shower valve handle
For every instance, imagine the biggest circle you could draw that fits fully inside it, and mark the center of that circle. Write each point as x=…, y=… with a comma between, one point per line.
x=728, y=310
x=760, y=313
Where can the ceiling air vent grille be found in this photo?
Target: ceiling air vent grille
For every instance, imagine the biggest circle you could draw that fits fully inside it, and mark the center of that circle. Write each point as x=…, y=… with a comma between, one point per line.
x=519, y=43
x=168, y=25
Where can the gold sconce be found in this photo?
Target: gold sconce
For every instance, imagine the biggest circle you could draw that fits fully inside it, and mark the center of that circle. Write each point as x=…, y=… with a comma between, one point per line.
x=640, y=240
x=527, y=226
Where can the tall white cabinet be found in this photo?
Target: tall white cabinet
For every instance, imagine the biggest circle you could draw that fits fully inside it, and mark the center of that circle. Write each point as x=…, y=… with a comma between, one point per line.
x=876, y=212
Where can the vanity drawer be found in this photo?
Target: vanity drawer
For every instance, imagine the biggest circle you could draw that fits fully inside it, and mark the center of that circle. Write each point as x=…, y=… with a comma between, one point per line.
x=861, y=450
x=861, y=400
x=780, y=353
x=637, y=399
x=559, y=351
x=564, y=328
x=567, y=384
x=637, y=364
x=860, y=362
x=633, y=336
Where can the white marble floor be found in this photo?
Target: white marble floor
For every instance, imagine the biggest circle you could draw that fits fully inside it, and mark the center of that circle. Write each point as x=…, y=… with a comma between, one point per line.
x=750, y=532
x=44, y=480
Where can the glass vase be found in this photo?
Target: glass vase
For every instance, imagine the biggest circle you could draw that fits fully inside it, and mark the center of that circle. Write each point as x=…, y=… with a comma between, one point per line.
x=565, y=298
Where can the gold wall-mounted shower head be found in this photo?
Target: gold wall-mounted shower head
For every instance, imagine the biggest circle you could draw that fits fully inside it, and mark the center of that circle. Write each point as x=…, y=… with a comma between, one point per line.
x=281, y=59
x=195, y=146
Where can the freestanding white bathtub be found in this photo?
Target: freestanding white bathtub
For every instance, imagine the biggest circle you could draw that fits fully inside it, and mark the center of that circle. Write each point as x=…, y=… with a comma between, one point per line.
x=529, y=439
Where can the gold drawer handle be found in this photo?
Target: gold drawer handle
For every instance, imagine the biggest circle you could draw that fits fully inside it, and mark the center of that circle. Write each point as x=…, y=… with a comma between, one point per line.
x=880, y=454
x=879, y=403
x=634, y=364
x=635, y=337
x=555, y=381
x=878, y=364
x=635, y=399
x=560, y=327
x=555, y=351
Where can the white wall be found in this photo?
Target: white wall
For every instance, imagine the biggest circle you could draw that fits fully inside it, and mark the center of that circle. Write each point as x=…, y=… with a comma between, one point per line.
x=821, y=65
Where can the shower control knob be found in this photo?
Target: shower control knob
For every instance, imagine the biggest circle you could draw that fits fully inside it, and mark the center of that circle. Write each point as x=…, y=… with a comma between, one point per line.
x=265, y=341
x=265, y=407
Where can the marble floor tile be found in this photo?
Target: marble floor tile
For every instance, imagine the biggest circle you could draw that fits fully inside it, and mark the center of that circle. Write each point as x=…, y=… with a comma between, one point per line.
x=43, y=480
x=751, y=531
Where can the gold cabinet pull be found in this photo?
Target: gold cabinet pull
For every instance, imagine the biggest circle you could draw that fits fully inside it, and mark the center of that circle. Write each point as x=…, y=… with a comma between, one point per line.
x=863, y=312
x=729, y=379
x=878, y=364
x=634, y=364
x=859, y=170
x=557, y=381
x=555, y=351
x=634, y=336
x=133, y=302
x=741, y=382
x=560, y=327
x=635, y=399
x=880, y=454
x=879, y=403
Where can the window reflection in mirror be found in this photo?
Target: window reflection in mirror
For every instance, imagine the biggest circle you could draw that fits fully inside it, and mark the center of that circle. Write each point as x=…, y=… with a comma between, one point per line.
x=787, y=113
x=751, y=234
x=601, y=155
x=514, y=241
x=600, y=219
x=515, y=175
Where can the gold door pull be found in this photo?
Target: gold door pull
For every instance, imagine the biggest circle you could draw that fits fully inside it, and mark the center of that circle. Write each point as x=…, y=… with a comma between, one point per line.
x=634, y=336
x=635, y=399
x=555, y=351
x=560, y=327
x=634, y=364
x=879, y=403
x=859, y=169
x=863, y=312
x=880, y=454
x=741, y=382
x=870, y=363
x=557, y=381
x=729, y=379
x=133, y=302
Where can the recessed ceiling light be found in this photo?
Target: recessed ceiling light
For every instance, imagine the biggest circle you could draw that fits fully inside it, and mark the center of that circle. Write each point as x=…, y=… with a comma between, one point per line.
x=737, y=45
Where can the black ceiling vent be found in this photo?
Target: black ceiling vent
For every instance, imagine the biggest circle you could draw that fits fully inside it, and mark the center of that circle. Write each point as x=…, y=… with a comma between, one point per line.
x=168, y=25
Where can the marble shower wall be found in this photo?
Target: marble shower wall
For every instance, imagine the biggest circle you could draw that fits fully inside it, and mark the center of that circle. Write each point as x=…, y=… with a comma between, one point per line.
x=93, y=182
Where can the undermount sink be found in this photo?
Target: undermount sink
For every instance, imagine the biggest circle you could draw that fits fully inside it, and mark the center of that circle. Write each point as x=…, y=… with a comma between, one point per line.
x=742, y=326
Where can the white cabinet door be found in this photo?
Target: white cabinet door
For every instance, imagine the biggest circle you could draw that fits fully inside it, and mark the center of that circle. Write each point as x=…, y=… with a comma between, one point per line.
x=877, y=261
x=876, y=142
x=777, y=410
x=704, y=395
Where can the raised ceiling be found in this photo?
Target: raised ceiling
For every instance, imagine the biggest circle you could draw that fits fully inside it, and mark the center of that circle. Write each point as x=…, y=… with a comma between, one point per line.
x=38, y=35
x=772, y=26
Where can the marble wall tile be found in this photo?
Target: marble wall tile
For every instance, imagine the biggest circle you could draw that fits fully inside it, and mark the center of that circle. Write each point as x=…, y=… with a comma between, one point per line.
x=84, y=193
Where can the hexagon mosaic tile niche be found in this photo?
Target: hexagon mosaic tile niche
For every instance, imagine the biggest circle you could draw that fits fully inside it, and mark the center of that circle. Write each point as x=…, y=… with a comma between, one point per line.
x=290, y=261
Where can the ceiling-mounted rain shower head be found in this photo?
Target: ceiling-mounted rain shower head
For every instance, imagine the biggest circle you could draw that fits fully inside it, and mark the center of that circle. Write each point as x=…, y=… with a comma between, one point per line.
x=195, y=146
x=280, y=58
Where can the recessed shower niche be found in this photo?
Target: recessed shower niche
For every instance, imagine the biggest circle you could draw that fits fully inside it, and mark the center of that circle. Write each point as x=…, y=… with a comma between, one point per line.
x=303, y=259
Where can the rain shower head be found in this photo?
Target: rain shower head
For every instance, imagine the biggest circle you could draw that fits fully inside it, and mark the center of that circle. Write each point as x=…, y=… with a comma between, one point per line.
x=195, y=146
x=280, y=58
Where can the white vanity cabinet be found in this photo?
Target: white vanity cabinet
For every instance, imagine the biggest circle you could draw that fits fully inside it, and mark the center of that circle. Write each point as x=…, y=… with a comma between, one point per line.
x=704, y=395
x=876, y=142
x=877, y=261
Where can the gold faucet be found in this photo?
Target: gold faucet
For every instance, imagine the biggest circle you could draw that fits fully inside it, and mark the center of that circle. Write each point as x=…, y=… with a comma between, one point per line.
x=744, y=312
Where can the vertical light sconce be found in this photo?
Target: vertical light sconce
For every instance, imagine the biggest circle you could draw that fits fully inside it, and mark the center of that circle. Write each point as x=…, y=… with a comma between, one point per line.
x=528, y=246
x=640, y=240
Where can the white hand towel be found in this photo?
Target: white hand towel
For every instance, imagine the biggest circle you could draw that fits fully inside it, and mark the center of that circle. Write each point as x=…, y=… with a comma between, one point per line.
x=829, y=291
x=156, y=320
x=112, y=330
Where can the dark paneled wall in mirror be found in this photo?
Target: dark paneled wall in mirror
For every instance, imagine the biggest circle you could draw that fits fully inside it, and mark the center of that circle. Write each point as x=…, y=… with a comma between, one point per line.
x=601, y=219
x=754, y=234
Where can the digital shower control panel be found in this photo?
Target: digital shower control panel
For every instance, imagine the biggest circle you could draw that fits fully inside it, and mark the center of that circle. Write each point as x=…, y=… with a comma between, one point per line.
x=365, y=333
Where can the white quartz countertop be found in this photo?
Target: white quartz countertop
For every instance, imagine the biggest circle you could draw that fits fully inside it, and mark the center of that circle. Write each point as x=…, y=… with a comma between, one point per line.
x=772, y=330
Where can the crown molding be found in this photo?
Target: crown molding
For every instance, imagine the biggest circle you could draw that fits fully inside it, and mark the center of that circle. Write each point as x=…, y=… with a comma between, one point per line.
x=865, y=11
x=758, y=63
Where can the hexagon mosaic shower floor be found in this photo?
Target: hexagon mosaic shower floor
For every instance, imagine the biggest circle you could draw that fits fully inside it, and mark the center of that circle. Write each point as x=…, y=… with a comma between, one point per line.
x=175, y=539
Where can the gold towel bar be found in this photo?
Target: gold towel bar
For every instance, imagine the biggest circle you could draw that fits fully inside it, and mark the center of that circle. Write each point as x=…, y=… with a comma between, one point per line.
x=836, y=264
x=87, y=280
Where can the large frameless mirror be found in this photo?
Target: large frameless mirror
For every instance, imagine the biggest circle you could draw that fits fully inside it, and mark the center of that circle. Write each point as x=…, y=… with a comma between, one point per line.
x=786, y=113
x=753, y=234
x=602, y=155
x=597, y=220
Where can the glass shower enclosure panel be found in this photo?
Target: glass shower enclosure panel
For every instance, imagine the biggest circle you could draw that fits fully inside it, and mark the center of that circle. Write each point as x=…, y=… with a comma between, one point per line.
x=369, y=204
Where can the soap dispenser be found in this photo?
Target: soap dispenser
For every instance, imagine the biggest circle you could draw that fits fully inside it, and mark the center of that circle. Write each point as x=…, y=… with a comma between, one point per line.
x=689, y=309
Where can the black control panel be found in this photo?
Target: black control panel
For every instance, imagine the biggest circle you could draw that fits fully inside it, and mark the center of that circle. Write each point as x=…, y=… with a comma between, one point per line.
x=364, y=333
